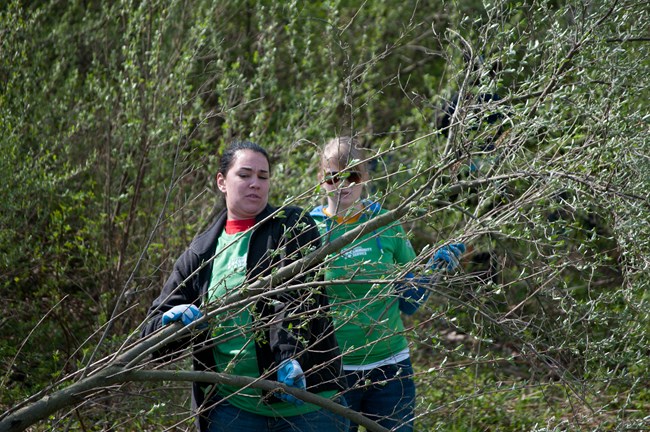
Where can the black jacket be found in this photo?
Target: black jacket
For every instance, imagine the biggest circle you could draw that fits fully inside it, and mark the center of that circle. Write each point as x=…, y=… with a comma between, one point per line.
x=277, y=242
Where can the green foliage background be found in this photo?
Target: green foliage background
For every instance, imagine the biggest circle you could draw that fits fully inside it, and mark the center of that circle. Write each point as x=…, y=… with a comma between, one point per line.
x=113, y=115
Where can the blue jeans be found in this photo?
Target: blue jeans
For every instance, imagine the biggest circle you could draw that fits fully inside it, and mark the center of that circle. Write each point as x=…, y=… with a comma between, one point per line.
x=225, y=417
x=383, y=396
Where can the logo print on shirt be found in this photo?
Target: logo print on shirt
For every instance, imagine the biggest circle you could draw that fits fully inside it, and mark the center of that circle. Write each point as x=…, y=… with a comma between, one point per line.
x=237, y=264
x=356, y=252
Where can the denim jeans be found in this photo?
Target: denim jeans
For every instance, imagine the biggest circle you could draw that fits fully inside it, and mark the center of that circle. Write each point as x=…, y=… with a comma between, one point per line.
x=225, y=417
x=383, y=395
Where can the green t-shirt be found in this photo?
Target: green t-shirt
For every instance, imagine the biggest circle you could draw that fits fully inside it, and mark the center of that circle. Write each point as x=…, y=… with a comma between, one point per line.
x=234, y=351
x=369, y=327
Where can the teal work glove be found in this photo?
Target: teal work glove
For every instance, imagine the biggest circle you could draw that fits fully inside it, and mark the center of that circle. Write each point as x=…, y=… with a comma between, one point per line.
x=290, y=373
x=448, y=256
x=186, y=313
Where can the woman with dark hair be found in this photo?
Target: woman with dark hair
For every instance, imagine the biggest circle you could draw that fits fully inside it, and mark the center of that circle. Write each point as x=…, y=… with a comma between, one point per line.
x=285, y=337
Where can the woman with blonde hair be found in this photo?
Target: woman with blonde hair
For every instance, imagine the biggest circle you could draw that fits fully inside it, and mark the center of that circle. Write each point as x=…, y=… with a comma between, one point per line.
x=367, y=318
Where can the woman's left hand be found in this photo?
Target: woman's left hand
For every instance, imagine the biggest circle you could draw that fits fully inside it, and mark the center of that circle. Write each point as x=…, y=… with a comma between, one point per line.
x=448, y=256
x=290, y=373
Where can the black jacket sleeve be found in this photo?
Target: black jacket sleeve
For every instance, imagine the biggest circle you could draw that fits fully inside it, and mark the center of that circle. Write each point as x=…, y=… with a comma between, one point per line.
x=181, y=287
x=292, y=329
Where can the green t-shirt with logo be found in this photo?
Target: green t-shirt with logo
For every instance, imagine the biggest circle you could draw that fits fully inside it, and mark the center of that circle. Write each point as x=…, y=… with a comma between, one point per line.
x=369, y=327
x=234, y=351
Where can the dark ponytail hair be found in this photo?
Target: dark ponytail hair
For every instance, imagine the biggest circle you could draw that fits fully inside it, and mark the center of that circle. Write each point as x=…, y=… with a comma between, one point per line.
x=229, y=154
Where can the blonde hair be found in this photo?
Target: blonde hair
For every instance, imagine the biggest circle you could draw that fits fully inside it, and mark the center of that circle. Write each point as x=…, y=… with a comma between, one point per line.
x=345, y=150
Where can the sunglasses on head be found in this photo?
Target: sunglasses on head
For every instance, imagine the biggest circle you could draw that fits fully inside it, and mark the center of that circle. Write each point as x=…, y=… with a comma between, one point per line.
x=335, y=177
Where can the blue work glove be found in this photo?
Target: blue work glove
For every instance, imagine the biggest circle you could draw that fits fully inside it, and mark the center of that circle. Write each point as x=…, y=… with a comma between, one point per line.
x=447, y=256
x=186, y=313
x=412, y=292
x=290, y=373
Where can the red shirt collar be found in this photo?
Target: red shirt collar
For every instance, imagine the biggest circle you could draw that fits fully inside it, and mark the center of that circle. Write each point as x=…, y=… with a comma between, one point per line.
x=236, y=226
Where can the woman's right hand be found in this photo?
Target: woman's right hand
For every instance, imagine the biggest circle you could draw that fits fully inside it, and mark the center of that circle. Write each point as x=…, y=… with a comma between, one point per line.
x=186, y=313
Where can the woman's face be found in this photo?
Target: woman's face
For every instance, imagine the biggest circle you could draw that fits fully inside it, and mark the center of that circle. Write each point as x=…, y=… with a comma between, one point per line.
x=245, y=185
x=343, y=190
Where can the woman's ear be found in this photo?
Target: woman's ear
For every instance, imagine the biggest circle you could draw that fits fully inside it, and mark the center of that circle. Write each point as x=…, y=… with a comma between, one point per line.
x=221, y=182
